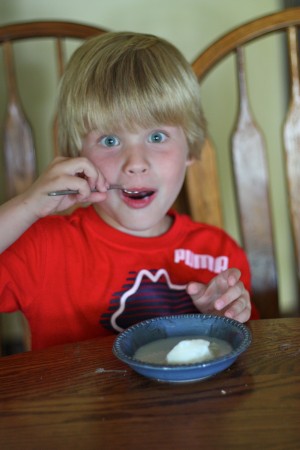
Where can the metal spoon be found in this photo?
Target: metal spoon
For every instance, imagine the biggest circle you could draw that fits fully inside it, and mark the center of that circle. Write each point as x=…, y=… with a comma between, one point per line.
x=74, y=191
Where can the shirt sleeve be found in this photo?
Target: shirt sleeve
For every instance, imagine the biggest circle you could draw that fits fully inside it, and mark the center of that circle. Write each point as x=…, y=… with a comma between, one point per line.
x=21, y=270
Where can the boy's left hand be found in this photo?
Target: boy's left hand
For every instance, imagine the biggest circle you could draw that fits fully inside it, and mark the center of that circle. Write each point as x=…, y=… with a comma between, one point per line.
x=225, y=294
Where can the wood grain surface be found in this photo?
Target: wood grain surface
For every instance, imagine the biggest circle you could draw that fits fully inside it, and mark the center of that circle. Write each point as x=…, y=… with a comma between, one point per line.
x=252, y=190
x=80, y=396
x=18, y=148
x=292, y=141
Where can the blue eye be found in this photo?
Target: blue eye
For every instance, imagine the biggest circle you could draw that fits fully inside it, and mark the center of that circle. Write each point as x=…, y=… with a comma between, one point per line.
x=157, y=137
x=109, y=141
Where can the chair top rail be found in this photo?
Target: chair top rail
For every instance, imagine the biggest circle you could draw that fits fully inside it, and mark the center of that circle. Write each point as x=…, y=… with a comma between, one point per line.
x=60, y=29
x=241, y=35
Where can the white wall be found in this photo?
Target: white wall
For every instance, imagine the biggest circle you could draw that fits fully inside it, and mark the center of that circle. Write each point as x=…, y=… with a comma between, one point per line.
x=190, y=24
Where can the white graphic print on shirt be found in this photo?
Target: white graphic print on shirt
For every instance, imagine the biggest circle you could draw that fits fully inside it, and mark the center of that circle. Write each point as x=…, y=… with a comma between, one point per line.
x=213, y=264
x=146, y=294
x=151, y=293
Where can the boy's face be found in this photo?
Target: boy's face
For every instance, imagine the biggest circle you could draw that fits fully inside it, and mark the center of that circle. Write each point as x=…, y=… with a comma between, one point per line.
x=151, y=161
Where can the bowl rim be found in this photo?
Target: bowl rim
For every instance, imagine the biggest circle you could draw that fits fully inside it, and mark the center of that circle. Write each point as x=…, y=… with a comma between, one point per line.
x=247, y=340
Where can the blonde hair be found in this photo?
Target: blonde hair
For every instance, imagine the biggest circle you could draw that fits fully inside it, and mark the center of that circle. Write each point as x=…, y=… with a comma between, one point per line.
x=128, y=79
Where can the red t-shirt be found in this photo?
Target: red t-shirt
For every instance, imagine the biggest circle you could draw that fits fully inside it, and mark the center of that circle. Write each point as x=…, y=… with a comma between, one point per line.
x=74, y=277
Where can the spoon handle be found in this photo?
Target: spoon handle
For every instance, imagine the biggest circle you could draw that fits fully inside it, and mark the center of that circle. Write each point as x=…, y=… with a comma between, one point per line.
x=75, y=191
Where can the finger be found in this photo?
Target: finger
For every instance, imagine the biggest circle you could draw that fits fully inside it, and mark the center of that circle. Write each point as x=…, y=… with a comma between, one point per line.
x=236, y=307
x=242, y=315
x=202, y=305
x=220, y=285
x=95, y=197
x=194, y=288
x=68, y=182
x=231, y=294
x=96, y=180
x=82, y=168
x=196, y=291
x=233, y=275
x=240, y=306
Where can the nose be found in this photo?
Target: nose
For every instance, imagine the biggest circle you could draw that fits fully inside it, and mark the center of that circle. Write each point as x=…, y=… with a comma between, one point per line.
x=135, y=161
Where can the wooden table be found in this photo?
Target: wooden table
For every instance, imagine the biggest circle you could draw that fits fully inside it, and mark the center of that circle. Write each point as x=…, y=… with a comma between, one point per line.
x=79, y=396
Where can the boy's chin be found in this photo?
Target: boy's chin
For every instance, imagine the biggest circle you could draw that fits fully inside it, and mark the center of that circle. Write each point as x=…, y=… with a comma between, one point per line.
x=140, y=223
x=147, y=228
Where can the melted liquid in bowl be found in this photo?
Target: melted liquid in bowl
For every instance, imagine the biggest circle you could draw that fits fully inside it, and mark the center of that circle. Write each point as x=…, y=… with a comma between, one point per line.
x=156, y=352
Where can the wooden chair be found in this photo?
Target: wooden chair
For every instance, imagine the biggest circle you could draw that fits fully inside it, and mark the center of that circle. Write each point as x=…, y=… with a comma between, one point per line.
x=249, y=161
x=20, y=166
x=19, y=150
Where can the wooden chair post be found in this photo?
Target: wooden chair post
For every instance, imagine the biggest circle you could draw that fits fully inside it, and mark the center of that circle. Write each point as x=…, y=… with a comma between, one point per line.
x=248, y=155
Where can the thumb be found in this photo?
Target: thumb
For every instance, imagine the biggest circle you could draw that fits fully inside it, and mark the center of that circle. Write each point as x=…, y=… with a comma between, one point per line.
x=195, y=289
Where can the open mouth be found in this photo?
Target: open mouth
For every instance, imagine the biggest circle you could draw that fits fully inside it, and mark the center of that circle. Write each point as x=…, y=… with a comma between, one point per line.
x=137, y=195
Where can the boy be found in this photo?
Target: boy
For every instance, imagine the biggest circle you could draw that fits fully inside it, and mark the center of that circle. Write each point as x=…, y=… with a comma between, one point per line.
x=129, y=114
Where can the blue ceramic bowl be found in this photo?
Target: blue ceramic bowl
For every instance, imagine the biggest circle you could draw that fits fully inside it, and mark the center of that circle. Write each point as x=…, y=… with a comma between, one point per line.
x=235, y=333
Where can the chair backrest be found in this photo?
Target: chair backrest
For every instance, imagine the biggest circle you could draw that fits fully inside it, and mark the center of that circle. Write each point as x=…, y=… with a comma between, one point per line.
x=249, y=158
x=19, y=151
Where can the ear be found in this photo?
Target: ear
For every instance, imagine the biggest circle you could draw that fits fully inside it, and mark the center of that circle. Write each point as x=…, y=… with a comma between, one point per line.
x=190, y=160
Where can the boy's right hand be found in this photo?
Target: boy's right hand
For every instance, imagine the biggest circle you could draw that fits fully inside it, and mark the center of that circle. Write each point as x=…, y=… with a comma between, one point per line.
x=19, y=213
x=65, y=173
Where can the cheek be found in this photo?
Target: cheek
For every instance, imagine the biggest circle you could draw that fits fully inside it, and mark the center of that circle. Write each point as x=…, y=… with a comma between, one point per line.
x=99, y=161
x=175, y=171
